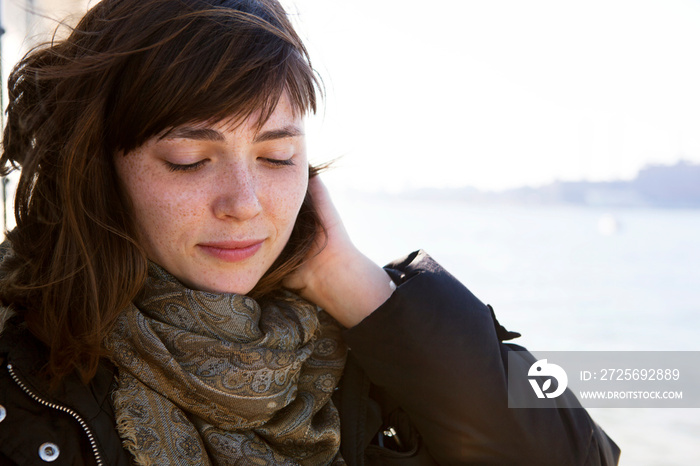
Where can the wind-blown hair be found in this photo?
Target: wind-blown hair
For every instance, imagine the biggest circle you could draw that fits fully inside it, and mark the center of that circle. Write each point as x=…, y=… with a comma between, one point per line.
x=129, y=71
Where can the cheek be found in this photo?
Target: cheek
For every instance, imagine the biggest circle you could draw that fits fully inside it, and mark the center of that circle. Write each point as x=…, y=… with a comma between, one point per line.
x=167, y=215
x=159, y=210
x=285, y=202
x=144, y=205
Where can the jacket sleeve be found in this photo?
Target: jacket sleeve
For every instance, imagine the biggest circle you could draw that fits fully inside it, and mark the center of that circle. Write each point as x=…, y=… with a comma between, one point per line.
x=435, y=348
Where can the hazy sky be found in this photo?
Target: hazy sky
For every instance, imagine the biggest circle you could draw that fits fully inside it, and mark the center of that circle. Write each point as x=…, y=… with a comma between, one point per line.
x=494, y=93
x=501, y=93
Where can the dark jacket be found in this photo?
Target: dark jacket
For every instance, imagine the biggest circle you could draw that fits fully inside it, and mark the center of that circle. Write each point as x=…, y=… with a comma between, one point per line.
x=425, y=383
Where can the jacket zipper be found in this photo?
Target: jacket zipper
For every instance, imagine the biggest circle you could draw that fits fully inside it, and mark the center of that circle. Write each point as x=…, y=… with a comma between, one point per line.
x=64, y=409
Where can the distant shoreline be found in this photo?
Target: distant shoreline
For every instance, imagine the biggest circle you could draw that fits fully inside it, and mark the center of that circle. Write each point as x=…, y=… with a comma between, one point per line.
x=660, y=186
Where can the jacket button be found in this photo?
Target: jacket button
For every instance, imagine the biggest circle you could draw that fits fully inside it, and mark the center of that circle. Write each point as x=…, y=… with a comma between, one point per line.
x=49, y=452
x=3, y=413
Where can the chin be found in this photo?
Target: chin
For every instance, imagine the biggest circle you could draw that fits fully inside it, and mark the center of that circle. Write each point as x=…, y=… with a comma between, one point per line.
x=227, y=287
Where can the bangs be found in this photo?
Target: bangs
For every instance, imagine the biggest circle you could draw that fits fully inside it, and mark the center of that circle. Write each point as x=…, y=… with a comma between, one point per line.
x=209, y=65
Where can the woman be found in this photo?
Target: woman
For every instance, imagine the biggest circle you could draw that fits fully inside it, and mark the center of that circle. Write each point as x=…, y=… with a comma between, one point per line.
x=160, y=290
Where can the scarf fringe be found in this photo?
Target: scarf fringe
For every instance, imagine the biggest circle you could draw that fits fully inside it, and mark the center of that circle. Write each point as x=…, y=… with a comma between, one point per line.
x=127, y=431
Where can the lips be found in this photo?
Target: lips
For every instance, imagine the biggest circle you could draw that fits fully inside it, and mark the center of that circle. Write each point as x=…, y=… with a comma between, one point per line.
x=232, y=251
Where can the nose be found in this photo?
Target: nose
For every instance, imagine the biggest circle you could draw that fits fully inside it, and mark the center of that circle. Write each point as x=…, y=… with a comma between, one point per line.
x=237, y=197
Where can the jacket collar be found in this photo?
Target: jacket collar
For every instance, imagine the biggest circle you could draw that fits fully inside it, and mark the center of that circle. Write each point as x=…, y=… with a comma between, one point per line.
x=28, y=357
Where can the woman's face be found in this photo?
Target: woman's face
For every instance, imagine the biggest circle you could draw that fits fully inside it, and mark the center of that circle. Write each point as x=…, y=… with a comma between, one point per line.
x=215, y=204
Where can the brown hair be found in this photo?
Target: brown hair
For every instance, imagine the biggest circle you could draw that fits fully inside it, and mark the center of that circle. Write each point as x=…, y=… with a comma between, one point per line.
x=130, y=70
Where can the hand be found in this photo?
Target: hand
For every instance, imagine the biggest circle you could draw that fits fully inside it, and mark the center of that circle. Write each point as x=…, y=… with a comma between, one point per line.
x=337, y=276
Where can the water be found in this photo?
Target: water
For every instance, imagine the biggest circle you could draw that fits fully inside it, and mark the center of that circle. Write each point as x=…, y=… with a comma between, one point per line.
x=567, y=278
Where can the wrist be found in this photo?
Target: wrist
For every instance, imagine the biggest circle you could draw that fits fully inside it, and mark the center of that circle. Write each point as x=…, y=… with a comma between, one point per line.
x=351, y=289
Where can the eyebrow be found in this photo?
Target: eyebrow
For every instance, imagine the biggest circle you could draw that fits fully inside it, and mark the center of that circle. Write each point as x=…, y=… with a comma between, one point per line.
x=289, y=131
x=198, y=134
x=209, y=134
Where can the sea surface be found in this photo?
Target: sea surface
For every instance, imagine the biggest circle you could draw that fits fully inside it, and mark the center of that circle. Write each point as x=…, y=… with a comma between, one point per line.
x=567, y=278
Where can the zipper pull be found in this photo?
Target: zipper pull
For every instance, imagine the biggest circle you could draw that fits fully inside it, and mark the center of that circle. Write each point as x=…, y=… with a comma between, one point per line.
x=391, y=433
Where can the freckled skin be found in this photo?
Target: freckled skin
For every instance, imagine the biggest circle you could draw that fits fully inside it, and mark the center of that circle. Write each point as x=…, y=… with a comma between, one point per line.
x=237, y=194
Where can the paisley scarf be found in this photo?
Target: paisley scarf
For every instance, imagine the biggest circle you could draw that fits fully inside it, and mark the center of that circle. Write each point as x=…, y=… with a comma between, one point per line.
x=206, y=378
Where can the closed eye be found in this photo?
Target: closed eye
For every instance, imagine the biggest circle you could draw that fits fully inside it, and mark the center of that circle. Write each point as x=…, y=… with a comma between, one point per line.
x=278, y=162
x=175, y=167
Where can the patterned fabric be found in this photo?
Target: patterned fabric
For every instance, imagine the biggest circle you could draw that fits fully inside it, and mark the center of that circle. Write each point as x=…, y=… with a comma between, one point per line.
x=208, y=378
